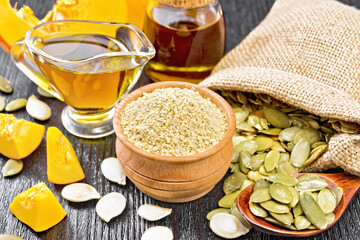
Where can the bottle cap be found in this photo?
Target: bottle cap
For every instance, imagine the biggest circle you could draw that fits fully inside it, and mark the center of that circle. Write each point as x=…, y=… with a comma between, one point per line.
x=186, y=3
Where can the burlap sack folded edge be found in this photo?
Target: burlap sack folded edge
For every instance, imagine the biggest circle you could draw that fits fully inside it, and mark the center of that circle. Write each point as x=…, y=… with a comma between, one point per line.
x=297, y=91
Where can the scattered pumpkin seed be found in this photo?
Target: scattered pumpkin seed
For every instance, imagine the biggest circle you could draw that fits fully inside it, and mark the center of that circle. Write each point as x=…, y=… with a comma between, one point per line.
x=38, y=109
x=338, y=193
x=271, y=160
x=277, y=118
x=16, y=105
x=12, y=167
x=5, y=85
x=275, y=207
x=264, y=143
x=245, y=184
x=227, y=226
x=235, y=212
x=297, y=210
x=274, y=221
x=285, y=218
x=152, y=212
x=309, y=135
x=261, y=195
x=113, y=171
x=228, y=200
x=157, y=232
x=295, y=197
x=300, y=153
x=285, y=179
x=301, y=222
x=312, y=210
x=110, y=206
x=10, y=237
x=257, y=210
x=2, y=104
x=311, y=185
x=233, y=182
x=256, y=161
x=79, y=192
x=44, y=92
x=327, y=200
x=215, y=211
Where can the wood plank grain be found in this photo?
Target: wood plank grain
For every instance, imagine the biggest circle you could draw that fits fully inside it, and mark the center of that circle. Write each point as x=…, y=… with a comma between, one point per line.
x=187, y=221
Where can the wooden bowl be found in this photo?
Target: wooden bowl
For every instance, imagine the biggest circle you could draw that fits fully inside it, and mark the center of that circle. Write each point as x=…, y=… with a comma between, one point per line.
x=190, y=177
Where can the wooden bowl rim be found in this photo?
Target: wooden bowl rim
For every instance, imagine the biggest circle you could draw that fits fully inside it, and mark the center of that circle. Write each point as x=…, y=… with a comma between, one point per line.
x=214, y=97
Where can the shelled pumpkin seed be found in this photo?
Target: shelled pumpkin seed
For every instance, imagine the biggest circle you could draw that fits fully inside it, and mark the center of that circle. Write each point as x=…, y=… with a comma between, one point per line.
x=16, y=104
x=291, y=208
x=2, y=104
x=5, y=85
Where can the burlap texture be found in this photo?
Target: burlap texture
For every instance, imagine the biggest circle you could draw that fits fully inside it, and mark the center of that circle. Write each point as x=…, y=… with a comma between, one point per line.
x=305, y=53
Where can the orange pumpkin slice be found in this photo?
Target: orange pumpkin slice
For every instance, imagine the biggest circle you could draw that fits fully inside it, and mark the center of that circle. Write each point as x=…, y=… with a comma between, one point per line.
x=19, y=138
x=38, y=208
x=63, y=166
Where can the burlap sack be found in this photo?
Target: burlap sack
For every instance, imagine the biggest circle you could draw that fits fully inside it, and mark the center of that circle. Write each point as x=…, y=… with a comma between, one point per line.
x=305, y=53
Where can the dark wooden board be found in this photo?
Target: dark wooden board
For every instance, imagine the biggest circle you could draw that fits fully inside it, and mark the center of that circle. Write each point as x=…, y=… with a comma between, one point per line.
x=187, y=221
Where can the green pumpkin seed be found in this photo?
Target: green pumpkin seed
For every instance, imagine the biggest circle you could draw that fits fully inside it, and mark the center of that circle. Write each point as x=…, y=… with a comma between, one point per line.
x=277, y=146
x=315, y=154
x=242, y=166
x=12, y=167
x=285, y=218
x=280, y=193
x=327, y=130
x=309, y=135
x=338, y=193
x=271, y=160
x=314, y=195
x=307, y=177
x=244, y=126
x=255, y=121
x=311, y=185
x=285, y=179
x=5, y=85
x=312, y=210
x=275, y=222
x=245, y=184
x=277, y=118
x=301, y=222
x=286, y=168
x=236, y=213
x=256, y=161
x=249, y=146
x=313, y=124
x=238, y=139
x=254, y=176
x=271, y=131
x=317, y=144
x=235, y=168
x=263, y=171
x=257, y=210
x=233, y=182
x=330, y=218
x=235, y=157
x=275, y=207
x=228, y=200
x=16, y=105
x=2, y=104
x=10, y=237
x=263, y=143
x=241, y=97
x=300, y=153
x=240, y=114
x=261, y=195
x=215, y=211
x=297, y=210
x=288, y=134
x=284, y=157
x=327, y=200
x=312, y=227
x=299, y=122
x=261, y=184
x=295, y=197
x=245, y=158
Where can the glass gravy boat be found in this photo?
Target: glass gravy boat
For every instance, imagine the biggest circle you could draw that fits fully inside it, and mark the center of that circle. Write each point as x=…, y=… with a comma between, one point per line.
x=89, y=65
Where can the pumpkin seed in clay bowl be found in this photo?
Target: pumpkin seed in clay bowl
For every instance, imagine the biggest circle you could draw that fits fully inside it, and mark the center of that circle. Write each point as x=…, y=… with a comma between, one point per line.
x=310, y=212
x=171, y=137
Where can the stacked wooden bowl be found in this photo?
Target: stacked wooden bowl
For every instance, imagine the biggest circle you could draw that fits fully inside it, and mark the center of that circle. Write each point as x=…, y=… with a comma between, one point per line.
x=175, y=179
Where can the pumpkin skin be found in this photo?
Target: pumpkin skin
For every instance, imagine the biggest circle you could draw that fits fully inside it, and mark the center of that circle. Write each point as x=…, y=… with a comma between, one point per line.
x=18, y=137
x=63, y=166
x=38, y=208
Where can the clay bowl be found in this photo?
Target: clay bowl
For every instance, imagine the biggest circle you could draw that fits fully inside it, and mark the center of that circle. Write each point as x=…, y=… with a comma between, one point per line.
x=175, y=179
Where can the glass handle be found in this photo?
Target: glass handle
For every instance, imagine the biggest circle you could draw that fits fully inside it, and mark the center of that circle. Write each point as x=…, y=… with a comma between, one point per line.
x=23, y=60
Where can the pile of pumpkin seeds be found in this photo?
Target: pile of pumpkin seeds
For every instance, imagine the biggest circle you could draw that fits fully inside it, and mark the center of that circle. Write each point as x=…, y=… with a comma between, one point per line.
x=272, y=137
x=295, y=204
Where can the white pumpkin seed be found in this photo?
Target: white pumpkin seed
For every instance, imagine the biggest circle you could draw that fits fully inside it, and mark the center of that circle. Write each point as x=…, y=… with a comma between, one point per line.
x=216, y=211
x=16, y=105
x=44, y=93
x=227, y=226
x=79, y=192
x=5, y=85
x=113, y=171
x=12, y=167
x=38, y=109
x=2, y=104
x=152, y=212
x=111, y=205
x=10, y=237
x=158, y=233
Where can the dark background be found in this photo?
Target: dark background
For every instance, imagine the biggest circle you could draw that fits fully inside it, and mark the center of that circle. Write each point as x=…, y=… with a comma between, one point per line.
x=187, y=221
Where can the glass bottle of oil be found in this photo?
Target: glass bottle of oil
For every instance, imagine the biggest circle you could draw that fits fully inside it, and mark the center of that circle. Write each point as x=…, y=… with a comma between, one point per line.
x=189, y=38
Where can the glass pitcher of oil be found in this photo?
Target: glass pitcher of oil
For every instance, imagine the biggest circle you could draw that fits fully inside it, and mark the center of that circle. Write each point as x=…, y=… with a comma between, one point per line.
x=189, y=38
x=89, y=65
